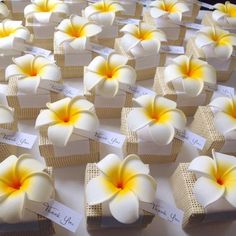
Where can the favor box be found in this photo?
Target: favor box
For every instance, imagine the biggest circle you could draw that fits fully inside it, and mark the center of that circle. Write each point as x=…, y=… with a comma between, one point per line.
x=40, y=227
x=175, y=33
x=132, y=9
x=76, y=6
x=203, y=125
x=146, y=65
x=182, y=182
x=98, y=217
x=149, y=152
x=224, y=68
x=79, y=150
x=191, y=15
x=28, y=106
x=184, y=102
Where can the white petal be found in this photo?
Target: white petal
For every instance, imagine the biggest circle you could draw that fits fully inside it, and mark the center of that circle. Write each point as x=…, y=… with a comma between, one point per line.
x=115, y=60
x=144, y=101
x=172, y=72
x=60, y=107
x=92, y=79
x=193, y=87
x=96, y=64
x=124, y=207
x=7, y=115
x=222, y=103
x=28, y=84
x=230, y=194
x=92, y=30
x=79, y=43
x=224, y=123
x=63, y=26
x=216, y=15
x=213, y=193
x=156, y=13
x=45, y=118
x=105, y=18
x=50, y=72
x=176, y=118
x=203, y=40
x=4, y=10
x=151, y=46
x=31, y=8
x=7, y=168
x=5, y=191
x=77, y=105
x=99, y=190
x=108, y=88
x=209, y=74
x=61, y=37
x=24, y=61
x=59, y=134
x=223, y=51
x=12, y=70
x=126, y=75
x=129, y=28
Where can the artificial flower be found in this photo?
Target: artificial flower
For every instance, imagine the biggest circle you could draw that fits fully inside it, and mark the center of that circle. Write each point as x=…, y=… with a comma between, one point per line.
x=141, y=39
x=225, y=115
x=217, y=178
x=191, y=73
x=67, y=117
x=104, y=76
x=4, y=12
x=160, y=115
x=75, y=31
x=6, y=114
x=12, y=32
x=225, y=12
x=45, y=11
x=122, y=183
x=30, y=70
x=215, y=42
x=20, y=179
x=103, y=12
x=172, y=9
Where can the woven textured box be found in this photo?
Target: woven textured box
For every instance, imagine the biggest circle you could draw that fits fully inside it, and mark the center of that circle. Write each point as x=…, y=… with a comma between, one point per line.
x=133, y=142
x=193, y=50
x=143, y=74
x=182, y=183
x=24, y=113
x=203, y=125
x=161, y=88
x=94, y=215
x=47, y=152
x=138, y=12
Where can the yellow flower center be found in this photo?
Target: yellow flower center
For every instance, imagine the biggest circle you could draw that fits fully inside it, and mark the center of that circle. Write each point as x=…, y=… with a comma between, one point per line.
x=191, y=70
x=231, y=109
x=143, y=34
x=168, y=7
x=230, y=9
x=46, y=6
x=104, y=7
x=6, y=32
x=75, y=31
x=108, y=72
x=120, y=185
x=220, y=181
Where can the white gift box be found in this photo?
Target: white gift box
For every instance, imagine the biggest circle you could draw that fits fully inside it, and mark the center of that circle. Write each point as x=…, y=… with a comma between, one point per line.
x=76, y=6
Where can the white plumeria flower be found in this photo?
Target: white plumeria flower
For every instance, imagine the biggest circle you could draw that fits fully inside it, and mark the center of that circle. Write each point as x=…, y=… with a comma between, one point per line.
x=11, y=32
x=103, y=12
x=46, y=11
x=225, y=116
x=190, y=73
x=75, y=31
x=4, y=12
x=225, y=12
x=141, y=39
x=216, y=42
x=30, y=70
x=67, y=117
x=104, y=76
x=20, y=179
x=160, y=115
x=122, y=183
x=172, y=9
x=6, y=114
x=218, y=178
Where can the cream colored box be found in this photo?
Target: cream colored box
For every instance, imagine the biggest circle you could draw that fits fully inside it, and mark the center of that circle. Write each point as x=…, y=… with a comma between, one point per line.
x=192, y=14
x=76, y=6
x=132, y=9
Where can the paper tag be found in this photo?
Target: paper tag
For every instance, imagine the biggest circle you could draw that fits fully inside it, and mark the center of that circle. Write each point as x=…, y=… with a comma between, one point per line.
x=123, y=21
x=110, y=138
x=173, y=49
x=136, y=90
x=226, y=90
x=192, y=25
x=105, y=51
x=18, y=139
x=191, y=138
x=206, y=5
x=37, y=51
x=165, y=211
x=57, y=212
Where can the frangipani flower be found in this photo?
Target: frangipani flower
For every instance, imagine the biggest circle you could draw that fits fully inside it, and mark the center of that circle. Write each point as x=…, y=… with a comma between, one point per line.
x=191, y=73
x=225, y=116
x=216, y=42
x=218, y=178
x=30, y=70
x=66, y=117
x=4, y=12
x=173, y=9
x=225, y=12
x=160, y=115
x=20, y=179
x=143, y=38
x=45, y=11
x=6, y=114
x=103, y=12
x=75, y=31
x=122, y=183
x=104, y=76
x=10, y=33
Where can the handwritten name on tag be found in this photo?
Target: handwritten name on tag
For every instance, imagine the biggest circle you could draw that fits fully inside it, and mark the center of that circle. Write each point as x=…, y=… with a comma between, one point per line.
x=110, y=138
x=136, y=90
x=56, y=212
x=105, y=51
x=226, y=90
x=18, y=139
x=191, y=138
x=172, y=49
x=128, y=21
x=37, y=51
x=165, y=211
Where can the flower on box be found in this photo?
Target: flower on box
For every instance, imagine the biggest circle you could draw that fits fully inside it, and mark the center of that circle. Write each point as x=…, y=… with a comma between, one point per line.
x=103, y=12
x=67, y=117
x=141, y=39
x=20, y=179
x=159, y=115
x=172, y=9
x=105, y=75
x=122, y=183
x=190, y=74
x=217, y=178
x=225, y=12
x=30, y=70
x=4, y=12
x=6, y=114
x=76, y=31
